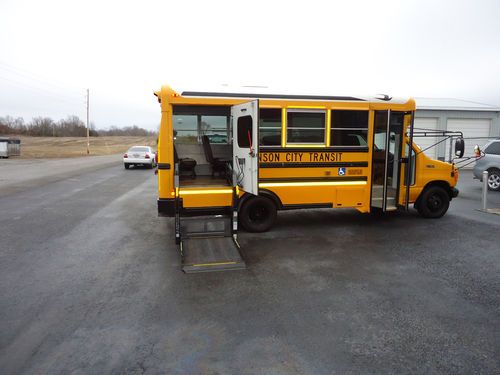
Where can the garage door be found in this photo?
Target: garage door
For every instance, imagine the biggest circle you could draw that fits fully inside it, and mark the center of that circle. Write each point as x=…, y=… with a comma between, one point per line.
x=475, y=132
x=422, y=124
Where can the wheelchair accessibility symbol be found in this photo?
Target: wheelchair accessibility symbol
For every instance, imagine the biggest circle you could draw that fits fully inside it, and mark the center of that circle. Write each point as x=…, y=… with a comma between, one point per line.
x=341, y=171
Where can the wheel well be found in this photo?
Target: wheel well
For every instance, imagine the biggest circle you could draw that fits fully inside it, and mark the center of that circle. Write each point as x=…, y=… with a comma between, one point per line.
x=264, y=193
x=493, y=169
x=443, y=184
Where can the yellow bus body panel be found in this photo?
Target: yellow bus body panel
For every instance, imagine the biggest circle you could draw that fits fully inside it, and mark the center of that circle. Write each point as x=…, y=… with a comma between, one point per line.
x=322, y=186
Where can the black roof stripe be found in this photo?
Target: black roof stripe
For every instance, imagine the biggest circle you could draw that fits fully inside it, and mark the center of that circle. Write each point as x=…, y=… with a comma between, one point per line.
x=268, y=96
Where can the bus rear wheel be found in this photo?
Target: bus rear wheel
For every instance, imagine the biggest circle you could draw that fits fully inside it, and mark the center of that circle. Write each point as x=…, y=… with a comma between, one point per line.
x=433, y=203
x=258, y=214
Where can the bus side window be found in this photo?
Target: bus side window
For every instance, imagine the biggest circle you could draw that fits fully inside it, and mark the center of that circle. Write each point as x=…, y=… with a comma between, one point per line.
x=185, y=129
x=270, y=127
x=215, y=128
x=349, y=128
x=306, y=127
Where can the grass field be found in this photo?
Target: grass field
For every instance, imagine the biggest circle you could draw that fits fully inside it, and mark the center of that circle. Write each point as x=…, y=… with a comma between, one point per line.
x=67, y=147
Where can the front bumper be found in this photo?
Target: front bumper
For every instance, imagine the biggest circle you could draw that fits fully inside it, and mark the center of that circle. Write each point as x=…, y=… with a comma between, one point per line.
x=454, y=192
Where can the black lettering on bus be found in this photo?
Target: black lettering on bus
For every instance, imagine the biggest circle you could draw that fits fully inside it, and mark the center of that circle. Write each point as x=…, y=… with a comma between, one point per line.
x=295, y=156
x=269, y=157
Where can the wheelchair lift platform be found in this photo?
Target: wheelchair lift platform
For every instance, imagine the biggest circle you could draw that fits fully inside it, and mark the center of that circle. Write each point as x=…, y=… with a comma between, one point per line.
x=207, y=245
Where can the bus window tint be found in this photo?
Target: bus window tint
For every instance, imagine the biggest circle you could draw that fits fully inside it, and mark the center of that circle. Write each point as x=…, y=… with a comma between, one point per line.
x=245, y=131
x=270, y=127
x=185, y=128
x=305, y=126
x=349, y=128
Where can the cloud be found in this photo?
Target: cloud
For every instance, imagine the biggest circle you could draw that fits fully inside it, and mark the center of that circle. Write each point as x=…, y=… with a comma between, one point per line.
x=124, y=50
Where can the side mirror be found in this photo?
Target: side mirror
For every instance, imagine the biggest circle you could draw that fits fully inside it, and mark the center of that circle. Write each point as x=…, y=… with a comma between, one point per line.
x=477, y=150
x=459, y=147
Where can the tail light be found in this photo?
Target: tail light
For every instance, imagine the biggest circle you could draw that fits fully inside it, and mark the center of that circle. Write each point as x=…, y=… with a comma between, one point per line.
x=125, y=156
x=156, y=157
x=147, y=156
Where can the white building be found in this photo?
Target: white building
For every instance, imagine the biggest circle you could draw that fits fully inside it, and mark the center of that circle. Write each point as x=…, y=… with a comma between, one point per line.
x=477, y=121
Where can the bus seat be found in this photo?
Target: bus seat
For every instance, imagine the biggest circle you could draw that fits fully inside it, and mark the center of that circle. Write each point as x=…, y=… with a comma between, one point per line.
x=218, y=165
x=185, y=164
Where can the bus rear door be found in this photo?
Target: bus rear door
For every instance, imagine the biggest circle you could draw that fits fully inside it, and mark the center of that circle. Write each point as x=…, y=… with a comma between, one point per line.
x=245, y=127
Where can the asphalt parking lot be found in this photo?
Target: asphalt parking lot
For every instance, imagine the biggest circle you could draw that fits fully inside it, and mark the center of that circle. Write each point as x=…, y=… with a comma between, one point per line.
x=90, y=282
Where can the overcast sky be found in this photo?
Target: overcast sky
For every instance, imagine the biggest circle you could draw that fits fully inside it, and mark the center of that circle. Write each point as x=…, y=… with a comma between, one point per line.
x=51, y=51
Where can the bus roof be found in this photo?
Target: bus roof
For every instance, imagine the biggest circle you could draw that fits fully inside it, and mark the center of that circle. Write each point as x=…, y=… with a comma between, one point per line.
x=262, y=93
x=266, y=96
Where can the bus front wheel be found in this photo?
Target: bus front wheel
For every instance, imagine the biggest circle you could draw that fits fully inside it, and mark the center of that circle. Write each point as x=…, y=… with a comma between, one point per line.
x=258, y=214
x=433, y=203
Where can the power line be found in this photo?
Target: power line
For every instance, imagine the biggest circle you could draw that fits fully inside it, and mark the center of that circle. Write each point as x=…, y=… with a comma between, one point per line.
x=32, y=84
x=44, y=92
x=33, y=77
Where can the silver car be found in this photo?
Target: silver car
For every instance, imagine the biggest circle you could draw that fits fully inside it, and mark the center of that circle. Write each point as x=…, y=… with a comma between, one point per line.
x=490, y=162
x=139, y=155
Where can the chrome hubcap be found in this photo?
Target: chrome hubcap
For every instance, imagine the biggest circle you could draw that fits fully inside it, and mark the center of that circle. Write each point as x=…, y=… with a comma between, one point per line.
x=494, y=181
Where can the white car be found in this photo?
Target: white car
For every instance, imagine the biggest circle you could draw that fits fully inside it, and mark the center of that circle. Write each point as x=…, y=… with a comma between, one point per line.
x=139, y=155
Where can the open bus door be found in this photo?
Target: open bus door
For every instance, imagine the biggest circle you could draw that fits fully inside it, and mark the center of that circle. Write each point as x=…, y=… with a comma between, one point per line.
x=389, y=155
x=245, y=127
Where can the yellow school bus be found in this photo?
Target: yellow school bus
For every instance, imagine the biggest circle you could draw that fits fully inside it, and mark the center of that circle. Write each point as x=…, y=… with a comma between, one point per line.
x=251, y=155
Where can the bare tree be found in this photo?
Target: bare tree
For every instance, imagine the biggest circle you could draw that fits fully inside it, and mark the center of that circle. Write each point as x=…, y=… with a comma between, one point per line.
x=72, y=126
x=41, y=126
x=11, y=125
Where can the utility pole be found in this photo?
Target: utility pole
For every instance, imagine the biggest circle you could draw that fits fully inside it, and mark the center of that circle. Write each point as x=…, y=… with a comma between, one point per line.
x=88, y=141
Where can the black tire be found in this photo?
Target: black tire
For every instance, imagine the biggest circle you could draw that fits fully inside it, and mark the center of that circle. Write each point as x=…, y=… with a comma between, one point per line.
x=494, y=179
x=258, y=214
x=433, y=203
x=126, y=165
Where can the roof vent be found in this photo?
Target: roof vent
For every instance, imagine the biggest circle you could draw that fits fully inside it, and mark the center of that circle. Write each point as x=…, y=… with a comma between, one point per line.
x=384, y=97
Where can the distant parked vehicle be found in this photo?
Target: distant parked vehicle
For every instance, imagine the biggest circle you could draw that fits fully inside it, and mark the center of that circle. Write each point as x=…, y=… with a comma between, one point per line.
x=490, y=162
x=10, y=147
x=217, y=138
x=139, y=155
